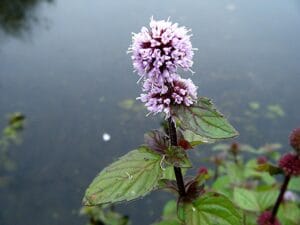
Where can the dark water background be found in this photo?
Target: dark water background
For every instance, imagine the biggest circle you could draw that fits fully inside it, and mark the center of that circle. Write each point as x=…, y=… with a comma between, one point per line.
x=63, y=63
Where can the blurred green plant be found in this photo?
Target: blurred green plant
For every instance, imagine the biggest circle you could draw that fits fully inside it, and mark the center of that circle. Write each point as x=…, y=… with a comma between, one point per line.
x=252, y=183
x=104, y=215
x=271, y=111
x=16, y=15
x=11, y=134
x=246, y=175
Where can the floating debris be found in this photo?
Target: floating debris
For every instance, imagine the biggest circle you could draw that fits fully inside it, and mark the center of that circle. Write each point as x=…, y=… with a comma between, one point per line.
x=127, y=104
x=254, y=105
x=275, y=111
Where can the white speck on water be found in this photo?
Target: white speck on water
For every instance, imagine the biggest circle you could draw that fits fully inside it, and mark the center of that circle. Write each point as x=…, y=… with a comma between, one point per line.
x=106, y=137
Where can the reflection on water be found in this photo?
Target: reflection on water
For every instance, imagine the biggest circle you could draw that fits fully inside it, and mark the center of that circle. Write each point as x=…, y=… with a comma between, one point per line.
x=17, y=16
x=75, y=84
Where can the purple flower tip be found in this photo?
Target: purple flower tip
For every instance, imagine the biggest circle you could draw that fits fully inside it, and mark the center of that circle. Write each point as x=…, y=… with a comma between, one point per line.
x=261, y=160
x=295, y=139
x=202, y=170
x=160, y=97
x=158, y=51
x=265, y=219
x=290, y=164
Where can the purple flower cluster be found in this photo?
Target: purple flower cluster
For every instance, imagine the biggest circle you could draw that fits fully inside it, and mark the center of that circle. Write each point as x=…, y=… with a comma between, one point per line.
x=295, y=139
x=290, y=164
x=157, y=53
x=159, y=97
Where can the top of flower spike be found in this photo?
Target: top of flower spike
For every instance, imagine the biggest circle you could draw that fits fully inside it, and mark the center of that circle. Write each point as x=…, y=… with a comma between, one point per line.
x=158, y=51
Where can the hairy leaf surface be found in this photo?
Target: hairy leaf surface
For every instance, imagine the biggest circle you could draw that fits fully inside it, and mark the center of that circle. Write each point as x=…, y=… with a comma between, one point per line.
x=211, y=209
x=133, y=175
x=203, y=119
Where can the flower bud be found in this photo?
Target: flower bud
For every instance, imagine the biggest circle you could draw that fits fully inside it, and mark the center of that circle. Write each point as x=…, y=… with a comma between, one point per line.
x=202, y=170
x=290, y=164
x=235, y=148
x=295, y=140
x=261, y=160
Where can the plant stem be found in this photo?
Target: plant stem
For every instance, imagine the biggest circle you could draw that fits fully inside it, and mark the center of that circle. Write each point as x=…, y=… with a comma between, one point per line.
x=177, y=170
x=216, y=174
x=235, y=159
x=280, y=197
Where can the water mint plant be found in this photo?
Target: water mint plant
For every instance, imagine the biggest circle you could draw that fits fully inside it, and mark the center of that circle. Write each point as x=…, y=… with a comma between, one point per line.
x=290, y=166
x=157, y=53
x=11, y=135
x=251, y=182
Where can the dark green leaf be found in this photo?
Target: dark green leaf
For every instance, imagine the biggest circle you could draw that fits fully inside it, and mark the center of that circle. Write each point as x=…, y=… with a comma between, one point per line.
x=203, y=119
x=211, y=209
x=105, y=216
x=168, y=222
x=168, y=173
x=133, y=175
x=195, y=139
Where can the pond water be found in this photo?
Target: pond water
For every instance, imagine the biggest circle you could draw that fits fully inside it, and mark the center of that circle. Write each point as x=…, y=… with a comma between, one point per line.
x=63, y=63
